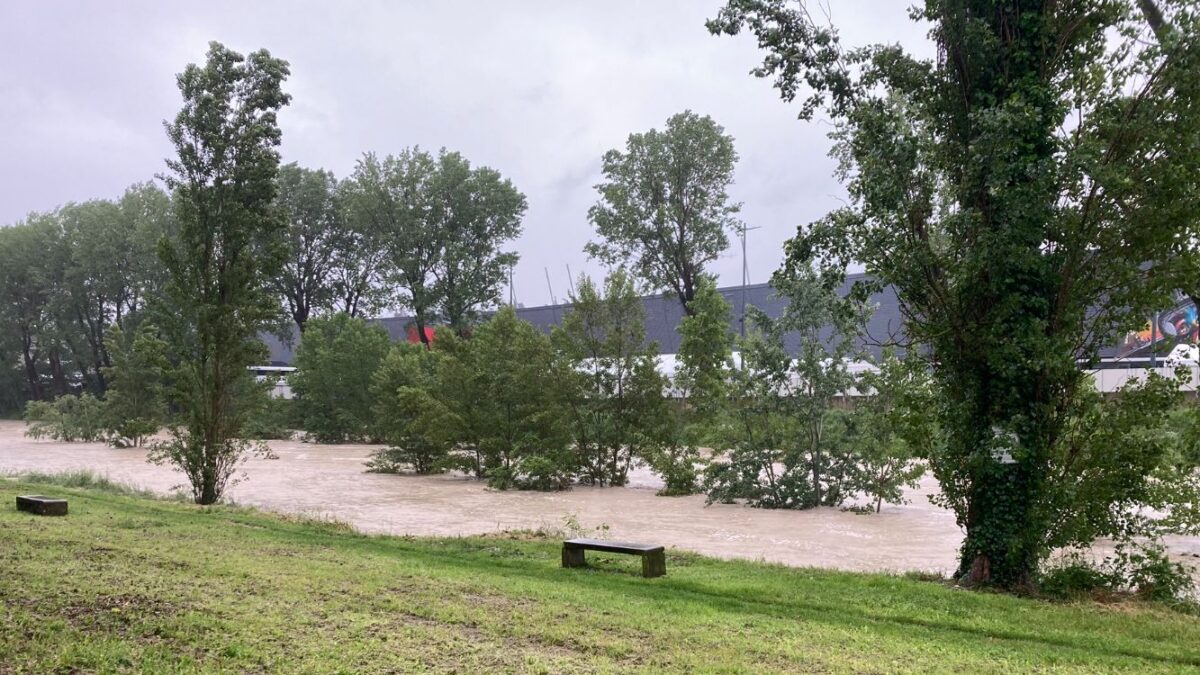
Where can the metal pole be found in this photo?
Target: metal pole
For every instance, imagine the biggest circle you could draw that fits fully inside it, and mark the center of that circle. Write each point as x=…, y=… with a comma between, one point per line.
x=745, y=275
x=1153, y=341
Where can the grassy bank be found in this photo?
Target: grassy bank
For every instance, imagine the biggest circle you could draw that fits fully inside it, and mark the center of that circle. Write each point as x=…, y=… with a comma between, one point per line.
x=126, y=583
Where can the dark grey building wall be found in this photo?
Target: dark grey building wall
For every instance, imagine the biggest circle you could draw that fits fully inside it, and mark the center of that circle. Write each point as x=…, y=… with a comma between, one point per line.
x=663, y=314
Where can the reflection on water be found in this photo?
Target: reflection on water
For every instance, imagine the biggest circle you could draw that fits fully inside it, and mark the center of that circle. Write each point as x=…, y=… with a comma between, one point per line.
x=329, y=481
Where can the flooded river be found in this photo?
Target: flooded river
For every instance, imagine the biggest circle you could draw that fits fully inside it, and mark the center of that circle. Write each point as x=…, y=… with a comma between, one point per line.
x=329, y=481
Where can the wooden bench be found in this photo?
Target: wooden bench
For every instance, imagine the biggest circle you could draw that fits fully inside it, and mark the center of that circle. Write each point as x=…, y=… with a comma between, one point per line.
x=42, y=506
x=654, y=558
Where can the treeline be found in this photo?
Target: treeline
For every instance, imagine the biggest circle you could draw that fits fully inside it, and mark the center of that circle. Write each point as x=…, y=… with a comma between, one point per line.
x=588, y=403
x=418, y=230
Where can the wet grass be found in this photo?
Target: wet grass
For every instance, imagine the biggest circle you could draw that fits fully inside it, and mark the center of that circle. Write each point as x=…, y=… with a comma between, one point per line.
x=128, y=584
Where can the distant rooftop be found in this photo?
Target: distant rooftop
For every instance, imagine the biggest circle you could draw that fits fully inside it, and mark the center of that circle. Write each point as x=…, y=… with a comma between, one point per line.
x=663, y=314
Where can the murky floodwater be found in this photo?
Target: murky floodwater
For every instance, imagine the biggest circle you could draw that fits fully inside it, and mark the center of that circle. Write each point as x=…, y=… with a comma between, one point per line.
x=329, y=481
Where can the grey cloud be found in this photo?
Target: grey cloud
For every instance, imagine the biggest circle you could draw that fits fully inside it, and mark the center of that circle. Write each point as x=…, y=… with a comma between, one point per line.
x=537, y=90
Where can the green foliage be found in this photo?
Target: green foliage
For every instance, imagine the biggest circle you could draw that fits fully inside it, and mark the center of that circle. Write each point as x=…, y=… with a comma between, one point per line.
x=442, y=223
x=1119, y=476
x=315, y=241
x=1075, y=578
x=502, y=388
x=336, y=359
x=664, y=208
x=272, y=417
x=613, y=391
x=226, y=248
x=478, y=212
x=782, y=454
x=1016, y=244
x=892, y=427
x=135, y=405
x=410, y=416
x=67, y=418
x=65, y=277
x=759, y=432
x=706, y=346
x=701, y=385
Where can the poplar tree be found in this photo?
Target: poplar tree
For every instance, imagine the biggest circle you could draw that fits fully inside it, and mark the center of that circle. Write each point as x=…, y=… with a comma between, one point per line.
x=1030, y=194
x=227, y=246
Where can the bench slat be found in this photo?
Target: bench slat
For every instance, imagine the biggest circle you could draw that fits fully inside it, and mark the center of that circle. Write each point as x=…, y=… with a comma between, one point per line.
x=611, y=546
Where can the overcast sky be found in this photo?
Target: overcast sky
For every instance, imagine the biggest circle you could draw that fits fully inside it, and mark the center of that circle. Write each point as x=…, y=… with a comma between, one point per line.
x=536, y=90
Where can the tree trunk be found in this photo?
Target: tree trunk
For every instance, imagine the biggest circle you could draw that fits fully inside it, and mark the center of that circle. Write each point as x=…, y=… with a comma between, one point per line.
x=1004, y=535
x=31, y=374
x=57, y=376
x=419, y=319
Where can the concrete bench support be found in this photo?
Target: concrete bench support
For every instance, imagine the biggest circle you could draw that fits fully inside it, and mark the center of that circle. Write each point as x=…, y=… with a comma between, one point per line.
x=42, y=506
x=654, y=558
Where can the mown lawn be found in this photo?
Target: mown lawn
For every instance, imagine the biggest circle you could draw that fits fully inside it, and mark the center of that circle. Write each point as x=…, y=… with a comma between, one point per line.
x=132, y=584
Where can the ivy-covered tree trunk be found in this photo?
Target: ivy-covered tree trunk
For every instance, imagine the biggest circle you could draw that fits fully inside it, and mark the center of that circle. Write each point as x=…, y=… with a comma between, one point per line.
x=1030, y=194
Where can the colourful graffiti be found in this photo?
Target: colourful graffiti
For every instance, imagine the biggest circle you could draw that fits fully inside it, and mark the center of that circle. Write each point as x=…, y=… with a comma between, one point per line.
x=1174, y=326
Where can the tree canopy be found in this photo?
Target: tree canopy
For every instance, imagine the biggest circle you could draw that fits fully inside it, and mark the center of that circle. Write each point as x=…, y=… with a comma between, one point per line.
x=664, y=207
x=1026, y=194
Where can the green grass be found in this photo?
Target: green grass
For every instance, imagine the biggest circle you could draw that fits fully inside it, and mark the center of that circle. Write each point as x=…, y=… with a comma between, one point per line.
x=130, y=584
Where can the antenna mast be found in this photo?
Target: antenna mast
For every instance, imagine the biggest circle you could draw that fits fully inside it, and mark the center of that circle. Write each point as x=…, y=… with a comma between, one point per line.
x=745, y=274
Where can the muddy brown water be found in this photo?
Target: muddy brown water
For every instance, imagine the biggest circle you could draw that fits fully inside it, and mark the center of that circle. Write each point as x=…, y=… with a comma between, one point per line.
x=329, y=481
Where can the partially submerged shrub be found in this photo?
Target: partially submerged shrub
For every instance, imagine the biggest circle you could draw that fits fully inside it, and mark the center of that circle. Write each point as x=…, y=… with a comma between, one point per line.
x=272, y=419
x=336, y=359
x=67, y=418
x=408, y=413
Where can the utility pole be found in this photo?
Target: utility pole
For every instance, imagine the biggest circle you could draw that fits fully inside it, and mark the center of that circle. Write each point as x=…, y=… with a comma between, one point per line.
x=512, y=291
x=745, y=274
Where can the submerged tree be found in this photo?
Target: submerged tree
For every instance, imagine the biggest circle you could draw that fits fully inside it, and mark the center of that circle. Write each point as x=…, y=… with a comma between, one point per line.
x=615, y=393
x=219, y=262
x=411, y=414
x=701, y=387
x=892, y=428
x=1026, y=194
x=503, y=389
x=335, y=362
x=664, y=206
x=135, y=404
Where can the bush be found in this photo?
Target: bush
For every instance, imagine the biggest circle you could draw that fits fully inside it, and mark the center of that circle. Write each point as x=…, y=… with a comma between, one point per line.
x=1074, y=578
x=336, y=359
x=408, y=412
x=1142, y=568
x=135, y=403
x=273, y=419
x=68, y=418
x=613, y=393
x=500, y=402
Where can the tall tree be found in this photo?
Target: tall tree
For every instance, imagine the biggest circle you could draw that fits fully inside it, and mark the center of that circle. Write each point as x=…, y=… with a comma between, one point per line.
x=362, y=263
x=479, y=211
x=315, y=238
x=228, y=245
x=26, y=288
x=1026, y=194
x=444, y=224
x=664, y=206
x=395, y=197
